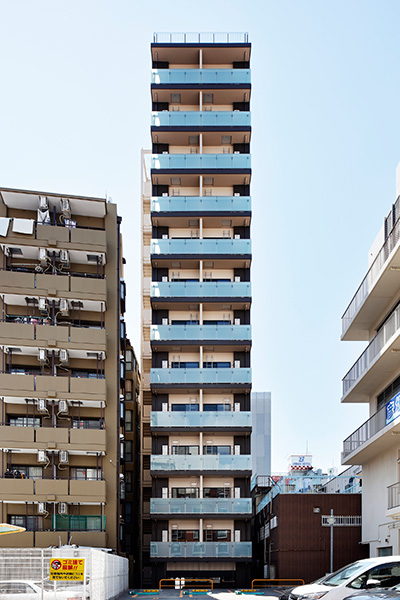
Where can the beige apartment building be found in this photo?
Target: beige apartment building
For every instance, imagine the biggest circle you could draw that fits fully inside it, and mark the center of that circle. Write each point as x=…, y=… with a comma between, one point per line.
x=62, y=373
x=196, y=333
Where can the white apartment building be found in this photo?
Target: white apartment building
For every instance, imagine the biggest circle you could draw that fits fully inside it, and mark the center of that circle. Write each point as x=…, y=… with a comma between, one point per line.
x=373, y=315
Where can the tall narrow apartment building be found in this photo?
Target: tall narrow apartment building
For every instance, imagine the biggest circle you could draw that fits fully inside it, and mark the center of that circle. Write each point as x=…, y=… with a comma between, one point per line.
x=62, y=370
x=373, y=316
x=196, y=334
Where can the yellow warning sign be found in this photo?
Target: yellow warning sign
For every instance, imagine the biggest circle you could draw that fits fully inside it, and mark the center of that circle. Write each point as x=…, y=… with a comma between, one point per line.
x=70, y=569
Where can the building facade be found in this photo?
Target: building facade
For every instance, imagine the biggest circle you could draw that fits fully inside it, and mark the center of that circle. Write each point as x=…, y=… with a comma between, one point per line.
x=196, y=334
x=373, y=316
x=62, y=376
x=261, y=433
x=291, y=528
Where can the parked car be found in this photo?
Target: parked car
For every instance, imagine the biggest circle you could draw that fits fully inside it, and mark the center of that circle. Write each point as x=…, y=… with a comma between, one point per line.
x=21, y=589
x=285, y=595
x=392, y=593
x=381, y=572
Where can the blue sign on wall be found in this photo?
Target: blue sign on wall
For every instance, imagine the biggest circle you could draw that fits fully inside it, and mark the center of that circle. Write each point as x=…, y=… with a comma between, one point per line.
x=393, y=409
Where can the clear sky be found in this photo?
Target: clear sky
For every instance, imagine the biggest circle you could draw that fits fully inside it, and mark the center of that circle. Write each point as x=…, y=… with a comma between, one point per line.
x=75, y=112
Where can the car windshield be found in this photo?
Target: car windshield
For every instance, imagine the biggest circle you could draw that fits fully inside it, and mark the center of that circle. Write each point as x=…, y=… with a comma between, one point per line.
x=345, y=574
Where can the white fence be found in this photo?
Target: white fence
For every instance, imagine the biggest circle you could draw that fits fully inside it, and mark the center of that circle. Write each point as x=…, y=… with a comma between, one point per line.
x=106, y=574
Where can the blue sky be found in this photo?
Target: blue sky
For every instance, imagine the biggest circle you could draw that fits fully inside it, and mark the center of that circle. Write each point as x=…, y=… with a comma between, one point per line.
x=75, y=112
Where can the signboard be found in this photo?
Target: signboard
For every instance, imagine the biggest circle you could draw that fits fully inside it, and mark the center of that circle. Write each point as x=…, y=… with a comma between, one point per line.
x=393, y=409
x=6, y=528
x=300, y=461
x=69, y=569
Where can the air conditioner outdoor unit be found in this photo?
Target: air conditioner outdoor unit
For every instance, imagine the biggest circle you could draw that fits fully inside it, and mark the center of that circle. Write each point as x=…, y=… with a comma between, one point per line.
x=64, y=258
x=64, y=307
x=43, y=215
x=42, y=508
x=62, y=508
x=66, y=208
x=43, y=305
x=42, y=356
x=63, y=457
x=63, y=356
x=42, y=405
x=42, y=456
x=43, y=256
x=62, y=406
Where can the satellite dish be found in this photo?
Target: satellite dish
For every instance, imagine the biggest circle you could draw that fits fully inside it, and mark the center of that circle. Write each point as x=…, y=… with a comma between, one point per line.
x=6, y=528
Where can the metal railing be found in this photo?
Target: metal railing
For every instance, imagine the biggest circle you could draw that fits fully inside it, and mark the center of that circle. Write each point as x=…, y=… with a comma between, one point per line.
x=387, y=331
x=361, y=435
x=342, y=521
x=371, y=277
x=394, y=495
x=238, y=37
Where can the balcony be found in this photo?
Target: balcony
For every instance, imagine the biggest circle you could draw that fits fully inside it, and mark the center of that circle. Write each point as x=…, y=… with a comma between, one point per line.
x=195, y=205
x=393, y=501
x=218, y=248
x=198, y=550
x=64, y=336
x=78, y=523
x=197, y=119
x=177, y=163
x=46, y=386
x=378, y=361
x=199, y=463
x=201, y=38
x=200, y=333
x=191, y=77
x=373, y=436
x=200, y=377
x=375, y=291
x=201, y=290
x=184, y=507
x=209, y=420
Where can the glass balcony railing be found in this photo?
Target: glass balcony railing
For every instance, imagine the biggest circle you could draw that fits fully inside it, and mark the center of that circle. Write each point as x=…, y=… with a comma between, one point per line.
x=181, y=162
x=200, y=419
x=200, y=76
x=205, y=246
x=200, y=289
x=200, y=506
x=386, y=334
x=201, y=119
x=199, y=204
x=200, y=549
x=200, y=376
x=198, y=333
x=200, y=462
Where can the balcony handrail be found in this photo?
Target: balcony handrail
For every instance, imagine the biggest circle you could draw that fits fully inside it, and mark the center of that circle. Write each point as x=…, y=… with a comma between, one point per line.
x=371, y=277
x=41, y=320
x=383, y=336
x=30, y=269
x=201, y=37
x=393, y=495
x=368, y=429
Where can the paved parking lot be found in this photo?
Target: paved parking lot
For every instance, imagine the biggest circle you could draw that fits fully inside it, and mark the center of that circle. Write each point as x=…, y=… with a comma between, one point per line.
x=217, y=594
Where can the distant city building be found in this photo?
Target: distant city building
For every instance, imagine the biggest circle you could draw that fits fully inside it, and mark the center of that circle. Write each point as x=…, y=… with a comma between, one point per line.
x=291, y=525
x=373, y=316
x=261, y=432
x=196, y=332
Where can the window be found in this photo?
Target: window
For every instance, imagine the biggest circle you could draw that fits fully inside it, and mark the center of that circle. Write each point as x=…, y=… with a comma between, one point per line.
x=24, y=421
x=217, y=492
x=381, y=576
x=128, y=390
x=29, y=522
x=28, y=472
x=185, y=450
x=85, y=473
x=128, y=451
x=87, y=424
x=216, y=450
x=192, y=492
x=128, y=420
x=185, y=407
x=184, y=535
x=128, y=482
x=216, y=407
x=129, y=360
x=217, y=535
